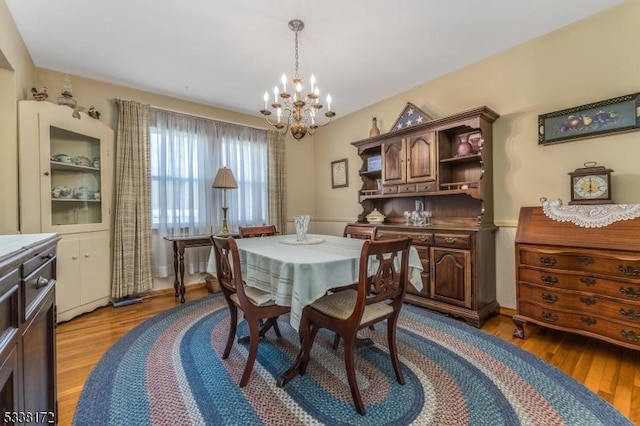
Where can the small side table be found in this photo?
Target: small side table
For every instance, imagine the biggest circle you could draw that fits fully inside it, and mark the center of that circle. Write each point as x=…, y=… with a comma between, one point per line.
x=179, y=244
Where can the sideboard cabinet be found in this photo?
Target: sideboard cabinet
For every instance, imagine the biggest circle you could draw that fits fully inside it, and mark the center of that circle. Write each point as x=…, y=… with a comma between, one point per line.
x=65, y=187
x=27, y=332
x=424, y=167
x=580, y=280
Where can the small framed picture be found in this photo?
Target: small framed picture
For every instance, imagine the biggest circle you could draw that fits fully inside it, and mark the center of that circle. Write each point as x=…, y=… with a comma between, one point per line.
x=339, y=174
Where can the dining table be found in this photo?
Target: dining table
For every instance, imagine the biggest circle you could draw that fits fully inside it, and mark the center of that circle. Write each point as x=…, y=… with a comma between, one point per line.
x=297, y=273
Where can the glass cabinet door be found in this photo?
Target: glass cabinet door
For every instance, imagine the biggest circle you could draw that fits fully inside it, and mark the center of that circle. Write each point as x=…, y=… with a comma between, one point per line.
x=76, y=187
x=65, y=169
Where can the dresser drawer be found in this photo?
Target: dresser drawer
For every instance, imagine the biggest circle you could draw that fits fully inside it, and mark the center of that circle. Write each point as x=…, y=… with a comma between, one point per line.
x=38, y=259
x=617, y=265
x=9, y=307
x=566, y=280
x=408, y=188
x=583, y=323
x=35, y=285
x=391, y=189
x=586, y=303
x=426, y=187
x=462, y=241
x=417, y=238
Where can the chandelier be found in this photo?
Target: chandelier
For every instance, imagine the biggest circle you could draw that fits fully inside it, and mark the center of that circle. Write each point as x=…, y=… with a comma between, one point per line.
x=297, y=113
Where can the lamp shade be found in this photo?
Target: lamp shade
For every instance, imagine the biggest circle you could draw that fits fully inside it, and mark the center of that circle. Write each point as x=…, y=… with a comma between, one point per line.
x=224, y=179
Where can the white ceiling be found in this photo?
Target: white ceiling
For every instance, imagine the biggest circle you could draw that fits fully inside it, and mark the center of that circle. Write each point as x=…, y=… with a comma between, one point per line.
x=226, y=53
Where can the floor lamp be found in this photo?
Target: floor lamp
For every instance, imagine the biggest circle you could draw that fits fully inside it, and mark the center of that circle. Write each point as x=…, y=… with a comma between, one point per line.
x=224, y=180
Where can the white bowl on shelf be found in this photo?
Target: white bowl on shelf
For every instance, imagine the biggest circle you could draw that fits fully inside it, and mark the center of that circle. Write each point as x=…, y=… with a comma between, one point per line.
x=375, y=217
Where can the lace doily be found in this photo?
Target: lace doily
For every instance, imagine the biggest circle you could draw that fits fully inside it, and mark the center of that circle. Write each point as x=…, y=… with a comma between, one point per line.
x=594, y=216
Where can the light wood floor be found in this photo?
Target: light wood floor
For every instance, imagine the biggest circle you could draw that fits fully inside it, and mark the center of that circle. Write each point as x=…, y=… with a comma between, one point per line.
x=608, y=370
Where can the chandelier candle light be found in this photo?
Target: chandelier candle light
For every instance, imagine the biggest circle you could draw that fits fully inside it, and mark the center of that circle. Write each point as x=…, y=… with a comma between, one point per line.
x=296, y=113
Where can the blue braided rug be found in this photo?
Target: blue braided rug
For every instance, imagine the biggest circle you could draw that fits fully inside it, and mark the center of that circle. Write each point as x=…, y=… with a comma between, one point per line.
x=169, y=371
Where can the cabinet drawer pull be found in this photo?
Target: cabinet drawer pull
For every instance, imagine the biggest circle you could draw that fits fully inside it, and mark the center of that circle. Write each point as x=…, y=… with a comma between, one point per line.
x=450, y=240
x=47, y=256
x=549, y=316
x=630, y=335
x=547, y=261
x=588, y=320
x=630, y=314
x=630, y=292
x=423, y=238
x=587, y=281
x=585, y=260
x=549, y=298
x=41, y=282
x=629, y=270
x=588, y=300
x=549, y=280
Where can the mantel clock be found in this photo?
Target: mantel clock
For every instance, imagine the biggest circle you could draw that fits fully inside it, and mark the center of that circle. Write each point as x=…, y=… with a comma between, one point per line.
x=591, y=184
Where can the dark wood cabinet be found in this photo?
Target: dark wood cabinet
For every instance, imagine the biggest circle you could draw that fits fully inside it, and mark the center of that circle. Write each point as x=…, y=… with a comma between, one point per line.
x=409, y=160
x=580, y=280
x=27, y=322
x=426, y=165
x=451, y=282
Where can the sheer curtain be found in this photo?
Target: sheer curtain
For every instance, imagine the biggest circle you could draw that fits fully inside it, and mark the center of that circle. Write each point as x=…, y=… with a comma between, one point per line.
x=186, y=153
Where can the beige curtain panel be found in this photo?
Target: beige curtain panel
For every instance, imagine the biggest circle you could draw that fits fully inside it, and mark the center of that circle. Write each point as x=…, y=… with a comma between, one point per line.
x=131, y=274
x=277, y=183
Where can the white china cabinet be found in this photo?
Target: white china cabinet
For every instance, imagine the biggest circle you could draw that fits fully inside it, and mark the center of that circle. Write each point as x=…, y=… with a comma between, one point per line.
x=65, y=187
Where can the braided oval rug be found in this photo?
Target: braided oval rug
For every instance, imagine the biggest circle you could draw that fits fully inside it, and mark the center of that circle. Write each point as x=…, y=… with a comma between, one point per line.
x=169, y=371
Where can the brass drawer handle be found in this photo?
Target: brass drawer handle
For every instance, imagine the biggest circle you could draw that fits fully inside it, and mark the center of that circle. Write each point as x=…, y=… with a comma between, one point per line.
x=450, y=240
x=551, y=317
x=588, y=300
x=549, y=298
x=629, y=270
x=630, y=335
x=630, y=314
x=549, y=280
x=585, y=260
x=588, y=320
x=630, y=292
x=587, y=281
x=423, y=238
x=547, y=261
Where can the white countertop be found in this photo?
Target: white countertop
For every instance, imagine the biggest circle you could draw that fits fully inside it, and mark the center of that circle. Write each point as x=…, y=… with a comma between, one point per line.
x=13, y=243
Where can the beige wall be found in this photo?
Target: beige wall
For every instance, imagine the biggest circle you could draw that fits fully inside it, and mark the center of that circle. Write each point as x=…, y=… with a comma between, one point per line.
x=592, y=60
x=16, y=74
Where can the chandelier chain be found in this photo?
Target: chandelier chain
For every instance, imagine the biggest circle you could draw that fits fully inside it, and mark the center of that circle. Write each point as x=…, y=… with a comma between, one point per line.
x=297, y=62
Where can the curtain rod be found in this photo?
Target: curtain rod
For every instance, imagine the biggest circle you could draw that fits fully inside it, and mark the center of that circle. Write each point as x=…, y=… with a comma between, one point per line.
x=206, y=118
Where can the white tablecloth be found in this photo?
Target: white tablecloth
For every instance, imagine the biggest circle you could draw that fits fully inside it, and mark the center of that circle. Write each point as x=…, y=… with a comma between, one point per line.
x=297, y=275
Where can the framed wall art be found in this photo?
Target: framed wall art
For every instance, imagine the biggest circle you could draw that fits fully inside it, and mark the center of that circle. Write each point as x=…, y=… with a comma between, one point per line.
x=339, y=174
x=616, y=115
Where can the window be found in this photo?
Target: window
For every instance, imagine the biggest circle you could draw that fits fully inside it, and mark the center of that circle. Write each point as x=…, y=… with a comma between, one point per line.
x=186, y=153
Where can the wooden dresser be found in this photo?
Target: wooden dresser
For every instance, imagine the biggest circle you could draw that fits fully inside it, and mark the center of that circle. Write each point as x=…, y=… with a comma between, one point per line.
x=27, y=328
x=581, y=280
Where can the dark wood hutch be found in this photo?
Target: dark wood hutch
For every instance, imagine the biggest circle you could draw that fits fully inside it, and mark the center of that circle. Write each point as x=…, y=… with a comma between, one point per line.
x=426, y=163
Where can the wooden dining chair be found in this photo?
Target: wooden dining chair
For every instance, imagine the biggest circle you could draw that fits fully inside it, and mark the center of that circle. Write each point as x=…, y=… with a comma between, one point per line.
x=255, y=304
x=257, y=231
x=348, y=311
x=363, y=233
x=360, y=231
